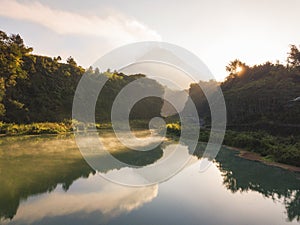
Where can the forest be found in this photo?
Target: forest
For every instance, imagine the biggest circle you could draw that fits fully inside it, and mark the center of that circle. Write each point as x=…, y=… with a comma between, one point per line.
x=262, y=101
x=259, y=97
x=37, y=88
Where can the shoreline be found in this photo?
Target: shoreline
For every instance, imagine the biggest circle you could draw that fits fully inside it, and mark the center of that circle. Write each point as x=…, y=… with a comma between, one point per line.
x=253, y=156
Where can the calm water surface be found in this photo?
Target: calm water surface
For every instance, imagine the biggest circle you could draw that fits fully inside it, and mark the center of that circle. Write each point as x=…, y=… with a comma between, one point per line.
x=44, y=180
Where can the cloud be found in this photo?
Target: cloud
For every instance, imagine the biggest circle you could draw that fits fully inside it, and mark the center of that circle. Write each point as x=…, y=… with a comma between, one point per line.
x=86, y=196
x=114, y=26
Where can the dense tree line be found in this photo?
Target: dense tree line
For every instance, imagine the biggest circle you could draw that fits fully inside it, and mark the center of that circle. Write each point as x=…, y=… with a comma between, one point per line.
x=260, y=96
x=37, y=88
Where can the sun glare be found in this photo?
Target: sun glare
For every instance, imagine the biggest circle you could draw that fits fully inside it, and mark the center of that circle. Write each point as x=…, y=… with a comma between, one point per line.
x=239, y=69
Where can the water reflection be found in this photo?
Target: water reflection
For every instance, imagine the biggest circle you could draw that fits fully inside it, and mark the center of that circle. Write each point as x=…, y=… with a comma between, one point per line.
x=240, y=175
x=90, y=198
x=243, y=175
x=33, y=165
x=48, y=173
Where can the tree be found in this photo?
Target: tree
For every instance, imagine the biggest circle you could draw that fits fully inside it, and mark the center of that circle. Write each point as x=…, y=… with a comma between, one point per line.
x=56, y=59
x=294, y=57
x=235, y=68
x=12, y=55
x=71, y=61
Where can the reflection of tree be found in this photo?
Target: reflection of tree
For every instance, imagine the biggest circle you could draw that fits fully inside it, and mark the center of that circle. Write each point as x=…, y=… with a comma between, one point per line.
x=35, y=165
x=139, y=158
x=272, y=182
x=293, y=207
x=23, y=180
x=23, y=175
x=124, y=158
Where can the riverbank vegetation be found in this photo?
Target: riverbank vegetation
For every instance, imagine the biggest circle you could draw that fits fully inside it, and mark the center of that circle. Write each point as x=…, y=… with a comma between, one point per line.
x=274, y=148
x=34, y=128
x=12, y=129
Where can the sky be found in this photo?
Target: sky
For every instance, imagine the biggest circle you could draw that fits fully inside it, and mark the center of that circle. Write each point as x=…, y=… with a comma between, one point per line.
x=217, y=31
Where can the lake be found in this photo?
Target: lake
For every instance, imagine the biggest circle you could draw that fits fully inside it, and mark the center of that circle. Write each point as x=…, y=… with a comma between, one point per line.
x=45, y=180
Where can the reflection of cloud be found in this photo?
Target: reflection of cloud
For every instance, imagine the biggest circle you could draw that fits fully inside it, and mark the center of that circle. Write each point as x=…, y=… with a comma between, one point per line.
x=99, y=196
x=114, y=26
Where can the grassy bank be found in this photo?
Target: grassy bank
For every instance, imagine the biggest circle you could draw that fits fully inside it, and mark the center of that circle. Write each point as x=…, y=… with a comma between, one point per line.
x=10, y=129
x=34, y=128
x=272, y=148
